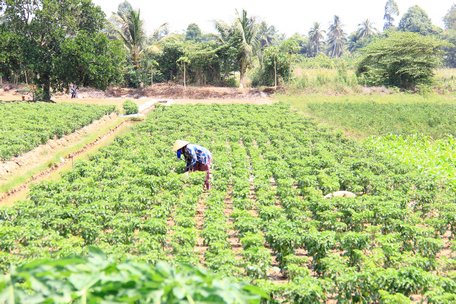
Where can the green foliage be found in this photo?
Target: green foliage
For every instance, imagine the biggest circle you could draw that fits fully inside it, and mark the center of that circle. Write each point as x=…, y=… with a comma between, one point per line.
x=129, y=27
x=276, y=67
x=96, y=278
x=27, y=125
x=336, y=39
x=266, y=207
x=450, y=18
x=417, y=21
x=404, y=60
x=42, y=40
x=193, y=32
x=391, y=10
x=450, y=49
x=399, y=114
x=432, y=157
x=11, y=55
x=130, y=107
x=90, y=60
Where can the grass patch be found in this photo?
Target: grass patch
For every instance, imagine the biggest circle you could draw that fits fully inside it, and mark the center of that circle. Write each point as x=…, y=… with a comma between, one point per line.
x=381, y=114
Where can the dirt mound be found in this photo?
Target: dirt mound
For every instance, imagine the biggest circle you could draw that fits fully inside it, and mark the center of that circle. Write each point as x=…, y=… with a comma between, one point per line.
x=169, y=90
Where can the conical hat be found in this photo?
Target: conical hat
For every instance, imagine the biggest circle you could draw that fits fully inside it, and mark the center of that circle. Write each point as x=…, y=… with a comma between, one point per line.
x=179, y=144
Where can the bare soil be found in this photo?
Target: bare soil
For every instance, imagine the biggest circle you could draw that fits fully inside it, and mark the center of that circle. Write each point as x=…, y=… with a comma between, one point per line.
x=159, y=90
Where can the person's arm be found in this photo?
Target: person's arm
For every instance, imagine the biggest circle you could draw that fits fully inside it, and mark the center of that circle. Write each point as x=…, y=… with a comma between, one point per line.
x=191, y=160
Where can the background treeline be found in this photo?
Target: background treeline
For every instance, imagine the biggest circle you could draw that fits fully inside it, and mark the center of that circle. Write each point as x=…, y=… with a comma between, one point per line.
x=51, y=43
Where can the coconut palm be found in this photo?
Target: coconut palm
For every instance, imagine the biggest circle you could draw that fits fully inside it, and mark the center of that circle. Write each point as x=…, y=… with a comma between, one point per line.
x=267, y=35
x=316, y=36
x=130, y=28
x=336, y=38
x=247, y=29
x=391, y=10
x=366, y=29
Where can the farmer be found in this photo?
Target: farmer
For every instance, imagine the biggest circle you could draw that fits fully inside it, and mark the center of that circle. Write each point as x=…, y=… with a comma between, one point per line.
x=73, y=90
x=198, y=158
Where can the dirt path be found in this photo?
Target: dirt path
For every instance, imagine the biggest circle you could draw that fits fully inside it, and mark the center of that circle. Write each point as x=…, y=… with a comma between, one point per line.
x=34, y=159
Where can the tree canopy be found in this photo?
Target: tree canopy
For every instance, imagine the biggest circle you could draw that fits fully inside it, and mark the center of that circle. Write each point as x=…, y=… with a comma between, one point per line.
x=417, y=21
x=44, y=29
x=404, y=60
x=391, y=10
x=450, y=18
x=51, y=43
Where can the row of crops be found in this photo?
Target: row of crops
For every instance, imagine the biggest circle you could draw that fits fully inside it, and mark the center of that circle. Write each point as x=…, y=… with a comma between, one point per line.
x=392, y=244
x=26, y=125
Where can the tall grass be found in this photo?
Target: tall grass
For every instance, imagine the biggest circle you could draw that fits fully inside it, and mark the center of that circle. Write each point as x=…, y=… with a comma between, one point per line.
x=337, y=76
x=338, y=80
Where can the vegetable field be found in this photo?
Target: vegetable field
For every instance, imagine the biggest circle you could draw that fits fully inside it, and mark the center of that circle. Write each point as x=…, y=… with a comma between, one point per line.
x=27, y=125
x=265, y=220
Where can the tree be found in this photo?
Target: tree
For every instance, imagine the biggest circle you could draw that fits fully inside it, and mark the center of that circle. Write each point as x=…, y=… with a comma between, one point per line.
x=391, y=10
x=91, y=60
x=450, y=50
x=450, y=18
x=404, y=60
x=362, y=37
x=43, y=26
x=336, y=39
x=247, y=31
x=129, y=27
x=316, y=39
x=417, y=21
x=267, y=35
x=277, y=63
x=366, y=29
x=193, y=32
x=11, y=55
x=159, y=33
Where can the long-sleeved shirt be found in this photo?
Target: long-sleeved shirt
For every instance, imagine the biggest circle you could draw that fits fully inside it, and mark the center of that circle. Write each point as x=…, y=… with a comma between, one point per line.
x=196, y=154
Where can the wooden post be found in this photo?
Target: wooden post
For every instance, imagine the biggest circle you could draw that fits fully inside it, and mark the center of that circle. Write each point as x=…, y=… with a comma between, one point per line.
x=275, y=73
x=185, y=82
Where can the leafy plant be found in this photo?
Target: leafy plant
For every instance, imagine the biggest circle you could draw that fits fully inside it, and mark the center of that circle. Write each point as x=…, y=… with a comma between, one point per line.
x=130, y=107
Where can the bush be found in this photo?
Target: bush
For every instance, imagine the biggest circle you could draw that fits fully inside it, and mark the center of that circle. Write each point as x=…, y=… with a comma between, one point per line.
x=404, y=60
x=130, y=107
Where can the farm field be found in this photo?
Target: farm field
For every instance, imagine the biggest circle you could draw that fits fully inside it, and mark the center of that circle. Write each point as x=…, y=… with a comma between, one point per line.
x=416, y=130
x=27, y=125
x=265, y=219
x=380, y=114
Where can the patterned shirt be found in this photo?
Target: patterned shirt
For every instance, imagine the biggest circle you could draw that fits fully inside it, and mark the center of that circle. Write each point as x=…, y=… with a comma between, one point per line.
x=196, y=154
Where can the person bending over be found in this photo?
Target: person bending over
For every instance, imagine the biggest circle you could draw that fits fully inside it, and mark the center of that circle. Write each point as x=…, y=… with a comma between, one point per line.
x=197, y=158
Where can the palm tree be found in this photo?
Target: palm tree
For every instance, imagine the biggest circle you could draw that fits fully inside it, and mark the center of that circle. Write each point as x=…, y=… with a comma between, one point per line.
x=267, y=34
x=129, y=27
x=366, y=29
x=336, y=38
x=391, y=10
x=316, y=35
x=247, y=29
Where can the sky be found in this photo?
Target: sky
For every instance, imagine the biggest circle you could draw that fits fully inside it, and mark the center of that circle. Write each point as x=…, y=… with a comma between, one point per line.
x=288, y=16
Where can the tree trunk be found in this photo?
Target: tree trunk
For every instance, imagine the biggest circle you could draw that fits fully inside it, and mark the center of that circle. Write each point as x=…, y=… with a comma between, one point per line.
x=241, y=79
x=47, y=88
x=275, y=74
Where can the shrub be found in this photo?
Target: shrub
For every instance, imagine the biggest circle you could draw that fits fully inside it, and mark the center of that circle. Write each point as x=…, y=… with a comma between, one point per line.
x=130, y=107
x=404, y=60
